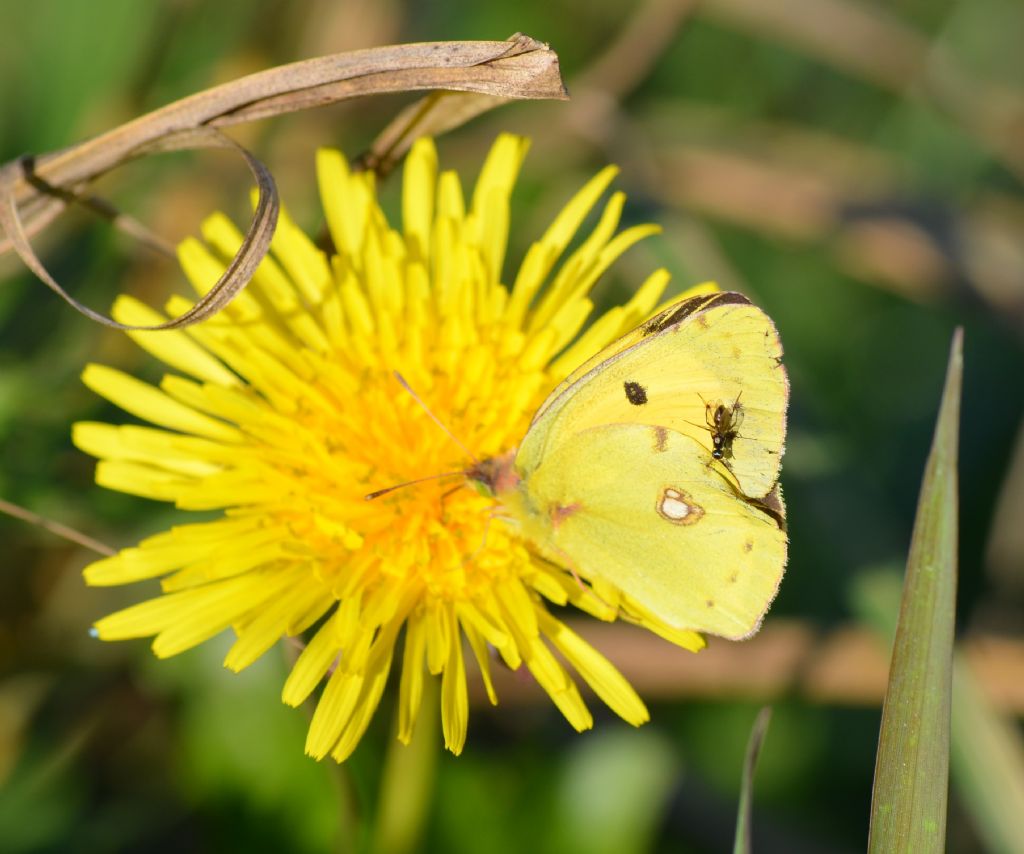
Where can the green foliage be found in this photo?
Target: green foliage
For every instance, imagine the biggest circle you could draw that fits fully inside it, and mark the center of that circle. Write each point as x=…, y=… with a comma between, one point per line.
x=104, y=749
x=613, y=791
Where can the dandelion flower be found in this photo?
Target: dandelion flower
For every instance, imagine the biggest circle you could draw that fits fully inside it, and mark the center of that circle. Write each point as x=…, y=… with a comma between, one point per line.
x=283, y=412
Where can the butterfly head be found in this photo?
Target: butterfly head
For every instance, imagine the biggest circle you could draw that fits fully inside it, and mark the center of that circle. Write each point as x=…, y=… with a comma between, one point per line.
x=494, y=476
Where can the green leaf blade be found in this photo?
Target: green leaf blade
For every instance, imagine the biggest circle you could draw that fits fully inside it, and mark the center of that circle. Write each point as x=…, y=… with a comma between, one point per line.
x=908, y=804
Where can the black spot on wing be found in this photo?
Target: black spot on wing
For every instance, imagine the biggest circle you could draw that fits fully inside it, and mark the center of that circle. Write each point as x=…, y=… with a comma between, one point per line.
x=635, y=393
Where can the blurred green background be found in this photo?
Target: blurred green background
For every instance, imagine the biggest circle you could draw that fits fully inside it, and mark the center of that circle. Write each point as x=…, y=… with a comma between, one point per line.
x=855, y=167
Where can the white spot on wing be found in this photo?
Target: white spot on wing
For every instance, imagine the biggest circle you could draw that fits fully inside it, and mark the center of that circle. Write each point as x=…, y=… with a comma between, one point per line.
x=678, y=507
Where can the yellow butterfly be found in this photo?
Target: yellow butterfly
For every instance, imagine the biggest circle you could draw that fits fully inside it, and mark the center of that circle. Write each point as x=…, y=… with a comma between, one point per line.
x=618, y=479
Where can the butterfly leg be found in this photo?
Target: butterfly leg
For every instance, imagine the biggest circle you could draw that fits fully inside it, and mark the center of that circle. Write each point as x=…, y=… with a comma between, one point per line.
x=445, y=496
x=726, y=473
x=483, y=539
x=492, y=514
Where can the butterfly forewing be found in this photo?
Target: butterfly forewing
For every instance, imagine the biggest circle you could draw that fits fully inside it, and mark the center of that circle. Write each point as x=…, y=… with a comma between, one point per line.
x=717, y=347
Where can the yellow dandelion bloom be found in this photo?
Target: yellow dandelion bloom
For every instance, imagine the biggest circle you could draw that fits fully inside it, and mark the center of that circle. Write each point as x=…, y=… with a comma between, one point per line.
x=284, y=412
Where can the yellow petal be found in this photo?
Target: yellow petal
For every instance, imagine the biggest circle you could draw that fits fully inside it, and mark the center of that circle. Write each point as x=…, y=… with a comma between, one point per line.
x=418, y=185
x=610, y=685
x=454, y=701
x=150, y=404
x=410, y=692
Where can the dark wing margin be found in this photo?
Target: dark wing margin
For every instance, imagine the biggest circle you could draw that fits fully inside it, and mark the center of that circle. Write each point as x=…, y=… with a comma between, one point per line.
x=677, y=313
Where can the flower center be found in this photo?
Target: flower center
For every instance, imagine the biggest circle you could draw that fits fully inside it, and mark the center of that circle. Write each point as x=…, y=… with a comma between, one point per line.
x=440, y=534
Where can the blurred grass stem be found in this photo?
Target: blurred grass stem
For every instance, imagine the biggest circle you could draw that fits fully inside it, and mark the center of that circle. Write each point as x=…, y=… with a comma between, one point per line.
x=754, y=743
x=408, y=780
x=60, y=530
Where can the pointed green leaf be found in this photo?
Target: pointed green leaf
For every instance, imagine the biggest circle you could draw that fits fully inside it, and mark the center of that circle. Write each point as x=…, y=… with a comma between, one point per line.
x=986, y=749
x=757, y=733
x=908, y=805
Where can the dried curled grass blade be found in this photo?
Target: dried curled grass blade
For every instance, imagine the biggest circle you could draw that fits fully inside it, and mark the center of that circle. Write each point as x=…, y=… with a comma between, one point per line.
x=430, y=116
x=34, y=190
x=55, y=196
x=235, y=277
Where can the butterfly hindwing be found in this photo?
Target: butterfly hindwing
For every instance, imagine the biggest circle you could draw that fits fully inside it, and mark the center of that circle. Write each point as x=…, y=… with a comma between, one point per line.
x=637, y=506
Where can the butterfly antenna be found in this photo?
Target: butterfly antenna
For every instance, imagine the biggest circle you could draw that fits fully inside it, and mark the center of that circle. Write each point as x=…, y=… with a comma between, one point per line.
x=372, y=495
x=436, y=420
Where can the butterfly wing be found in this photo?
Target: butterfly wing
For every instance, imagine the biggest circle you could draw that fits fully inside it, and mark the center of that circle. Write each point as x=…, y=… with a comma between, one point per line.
x=638, y=507
x=709, y=347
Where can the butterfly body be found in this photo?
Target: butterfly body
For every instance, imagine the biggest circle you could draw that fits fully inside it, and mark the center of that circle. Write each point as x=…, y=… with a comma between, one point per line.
x=612, y=481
